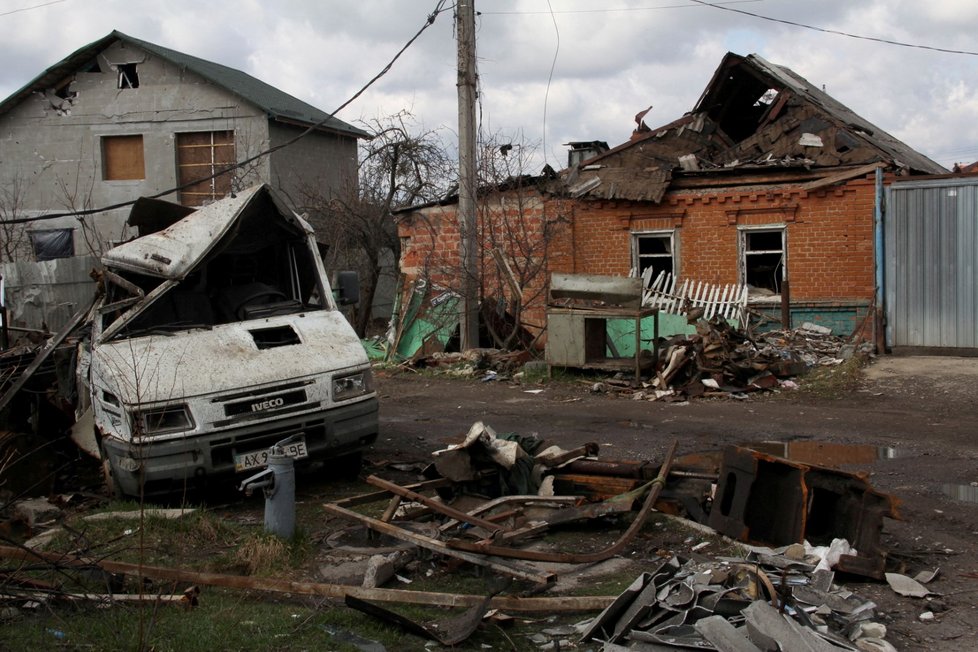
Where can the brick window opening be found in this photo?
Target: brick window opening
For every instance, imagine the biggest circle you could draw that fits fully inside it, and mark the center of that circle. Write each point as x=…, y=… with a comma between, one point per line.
x=200, y=155
x=762, y=260
x=128, y=77
x=50, y=244
x=122, y=158
x=655, y=251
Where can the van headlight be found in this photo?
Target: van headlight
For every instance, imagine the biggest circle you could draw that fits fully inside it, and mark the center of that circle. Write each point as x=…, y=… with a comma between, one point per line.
x=172, y=418
x=353, y=385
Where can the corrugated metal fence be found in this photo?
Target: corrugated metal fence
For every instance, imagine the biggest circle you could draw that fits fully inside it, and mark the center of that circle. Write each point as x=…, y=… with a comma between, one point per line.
x=931, y=241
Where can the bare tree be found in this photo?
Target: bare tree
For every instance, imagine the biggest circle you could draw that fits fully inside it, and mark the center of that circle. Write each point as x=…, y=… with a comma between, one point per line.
x=402, y=165
x=518, y=223
x=14, y=238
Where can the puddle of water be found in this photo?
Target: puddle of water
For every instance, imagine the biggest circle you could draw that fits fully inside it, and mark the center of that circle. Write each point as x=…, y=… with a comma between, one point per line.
x=964, y=492
x=824, y=453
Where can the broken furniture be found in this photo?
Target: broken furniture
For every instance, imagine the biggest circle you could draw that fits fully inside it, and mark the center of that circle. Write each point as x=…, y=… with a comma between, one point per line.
x=766, y=499
x=579, y=308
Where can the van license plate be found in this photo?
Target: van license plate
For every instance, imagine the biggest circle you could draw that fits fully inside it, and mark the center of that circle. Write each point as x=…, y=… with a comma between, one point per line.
x=259, y=459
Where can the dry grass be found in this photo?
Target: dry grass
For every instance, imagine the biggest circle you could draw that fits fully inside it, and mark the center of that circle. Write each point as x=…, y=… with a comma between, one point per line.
x=263, y=554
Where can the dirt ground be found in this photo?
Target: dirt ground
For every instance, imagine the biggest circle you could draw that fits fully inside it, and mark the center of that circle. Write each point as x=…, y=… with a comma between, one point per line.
x=920, y=410
x=917, y=415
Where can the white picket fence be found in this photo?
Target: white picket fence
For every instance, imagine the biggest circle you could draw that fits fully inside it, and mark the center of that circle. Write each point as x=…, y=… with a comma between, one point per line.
x=728, y=301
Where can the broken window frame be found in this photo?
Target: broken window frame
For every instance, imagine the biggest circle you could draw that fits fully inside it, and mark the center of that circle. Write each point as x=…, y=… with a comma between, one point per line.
x=202, y=191
x=128, y=77
x=51, y=244
x=119, y=145
x=660, y=234
x=744, y=252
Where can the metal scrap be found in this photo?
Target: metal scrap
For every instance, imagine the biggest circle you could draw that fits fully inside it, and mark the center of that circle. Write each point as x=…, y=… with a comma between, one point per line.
x=448, y=632
x=730, y=605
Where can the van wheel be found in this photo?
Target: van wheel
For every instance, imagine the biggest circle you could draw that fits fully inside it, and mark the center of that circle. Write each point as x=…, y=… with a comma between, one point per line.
x=348, y=467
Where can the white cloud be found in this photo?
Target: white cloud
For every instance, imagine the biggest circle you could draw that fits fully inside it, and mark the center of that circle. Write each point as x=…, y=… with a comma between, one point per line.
x=615, y=57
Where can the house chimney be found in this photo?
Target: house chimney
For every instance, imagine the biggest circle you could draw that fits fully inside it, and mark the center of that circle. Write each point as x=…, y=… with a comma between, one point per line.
x=584, y=150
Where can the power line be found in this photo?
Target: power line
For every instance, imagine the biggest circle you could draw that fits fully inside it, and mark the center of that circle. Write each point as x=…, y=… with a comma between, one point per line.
x=546, y=96
x=609, y=10
x=44, y=4
x=439, y=8
x=718, y=5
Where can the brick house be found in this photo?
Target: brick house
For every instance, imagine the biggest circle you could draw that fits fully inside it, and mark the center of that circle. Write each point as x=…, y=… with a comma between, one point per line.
x=122, y=118
x=768, y=182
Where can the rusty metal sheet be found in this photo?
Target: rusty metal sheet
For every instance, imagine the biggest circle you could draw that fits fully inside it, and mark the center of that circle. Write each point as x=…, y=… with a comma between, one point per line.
x=448, y=632
x=770, y=500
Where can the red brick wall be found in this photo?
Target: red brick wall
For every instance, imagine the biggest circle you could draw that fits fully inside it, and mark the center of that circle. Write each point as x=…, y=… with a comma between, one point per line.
x=829, y=235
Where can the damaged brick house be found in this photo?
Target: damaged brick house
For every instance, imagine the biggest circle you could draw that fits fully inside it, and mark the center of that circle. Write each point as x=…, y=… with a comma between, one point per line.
x=768, y=182
x=122, y=118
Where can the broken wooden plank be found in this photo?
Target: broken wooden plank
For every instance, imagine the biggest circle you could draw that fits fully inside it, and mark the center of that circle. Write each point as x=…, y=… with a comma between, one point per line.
x=501, y=565
x=555, y=604
x=433, y=505
x=105, y=598
x=374, y=496
x=839, y=177
x=655, y=487
x=43, y=354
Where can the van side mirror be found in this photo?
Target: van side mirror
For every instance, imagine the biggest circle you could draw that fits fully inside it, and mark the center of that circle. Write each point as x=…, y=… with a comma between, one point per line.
x=347, y=287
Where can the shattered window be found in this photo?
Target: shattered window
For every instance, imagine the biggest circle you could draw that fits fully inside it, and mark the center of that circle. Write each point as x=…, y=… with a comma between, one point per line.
x=128, y=78
x=767, y=98
x=53, y=243
x=763, y=258
x=655, y=251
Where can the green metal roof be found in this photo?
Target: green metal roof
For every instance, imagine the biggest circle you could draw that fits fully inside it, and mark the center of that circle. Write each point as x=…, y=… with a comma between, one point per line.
x=277, y=104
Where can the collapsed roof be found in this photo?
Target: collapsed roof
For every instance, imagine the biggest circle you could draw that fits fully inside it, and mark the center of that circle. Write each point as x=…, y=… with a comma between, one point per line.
x=752, y=115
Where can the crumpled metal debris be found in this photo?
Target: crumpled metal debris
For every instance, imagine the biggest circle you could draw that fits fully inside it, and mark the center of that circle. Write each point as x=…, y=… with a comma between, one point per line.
x=763, y=599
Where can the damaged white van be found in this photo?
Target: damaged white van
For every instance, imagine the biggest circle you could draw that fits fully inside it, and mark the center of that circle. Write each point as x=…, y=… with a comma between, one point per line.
x=215, y=338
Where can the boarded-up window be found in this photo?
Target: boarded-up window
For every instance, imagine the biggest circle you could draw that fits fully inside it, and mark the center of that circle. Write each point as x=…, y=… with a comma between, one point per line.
x=122, y=158
x=200, y=155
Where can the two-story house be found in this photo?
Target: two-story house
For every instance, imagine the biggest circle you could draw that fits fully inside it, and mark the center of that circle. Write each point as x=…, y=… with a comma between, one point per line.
x=121, y=118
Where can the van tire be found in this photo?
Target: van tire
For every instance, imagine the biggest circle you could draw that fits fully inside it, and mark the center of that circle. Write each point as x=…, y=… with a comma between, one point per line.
x=348, y=467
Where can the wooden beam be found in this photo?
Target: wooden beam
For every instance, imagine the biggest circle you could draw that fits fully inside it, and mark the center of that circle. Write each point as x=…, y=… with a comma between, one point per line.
x=514, y=569
x=270, y=585
x=839, y=177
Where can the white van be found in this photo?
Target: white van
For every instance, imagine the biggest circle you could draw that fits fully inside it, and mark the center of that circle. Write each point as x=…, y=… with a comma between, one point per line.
x=214, y=339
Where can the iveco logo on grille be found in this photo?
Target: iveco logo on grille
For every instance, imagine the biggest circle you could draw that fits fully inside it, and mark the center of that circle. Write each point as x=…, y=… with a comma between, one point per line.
x=268, y=404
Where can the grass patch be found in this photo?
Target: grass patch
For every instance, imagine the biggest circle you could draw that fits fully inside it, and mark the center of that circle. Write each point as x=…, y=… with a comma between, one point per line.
x=833, y=382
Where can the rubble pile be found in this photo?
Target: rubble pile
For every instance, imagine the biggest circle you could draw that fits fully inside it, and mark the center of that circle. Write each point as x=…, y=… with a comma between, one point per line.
x=740, y=604
x=720, y=360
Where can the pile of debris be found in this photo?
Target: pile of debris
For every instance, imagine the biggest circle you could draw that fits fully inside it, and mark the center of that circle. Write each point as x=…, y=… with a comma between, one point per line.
x=488, y=500
x=770, y=599
x=720, y=360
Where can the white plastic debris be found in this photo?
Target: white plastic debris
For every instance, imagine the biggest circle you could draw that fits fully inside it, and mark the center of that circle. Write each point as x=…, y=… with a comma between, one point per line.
x=829, y=555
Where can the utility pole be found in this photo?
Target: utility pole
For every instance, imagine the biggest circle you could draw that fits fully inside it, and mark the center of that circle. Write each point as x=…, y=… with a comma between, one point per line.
x=468, y=240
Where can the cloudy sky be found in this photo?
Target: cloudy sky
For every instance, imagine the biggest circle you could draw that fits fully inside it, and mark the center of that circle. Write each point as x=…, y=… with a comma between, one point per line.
x=551, y=71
